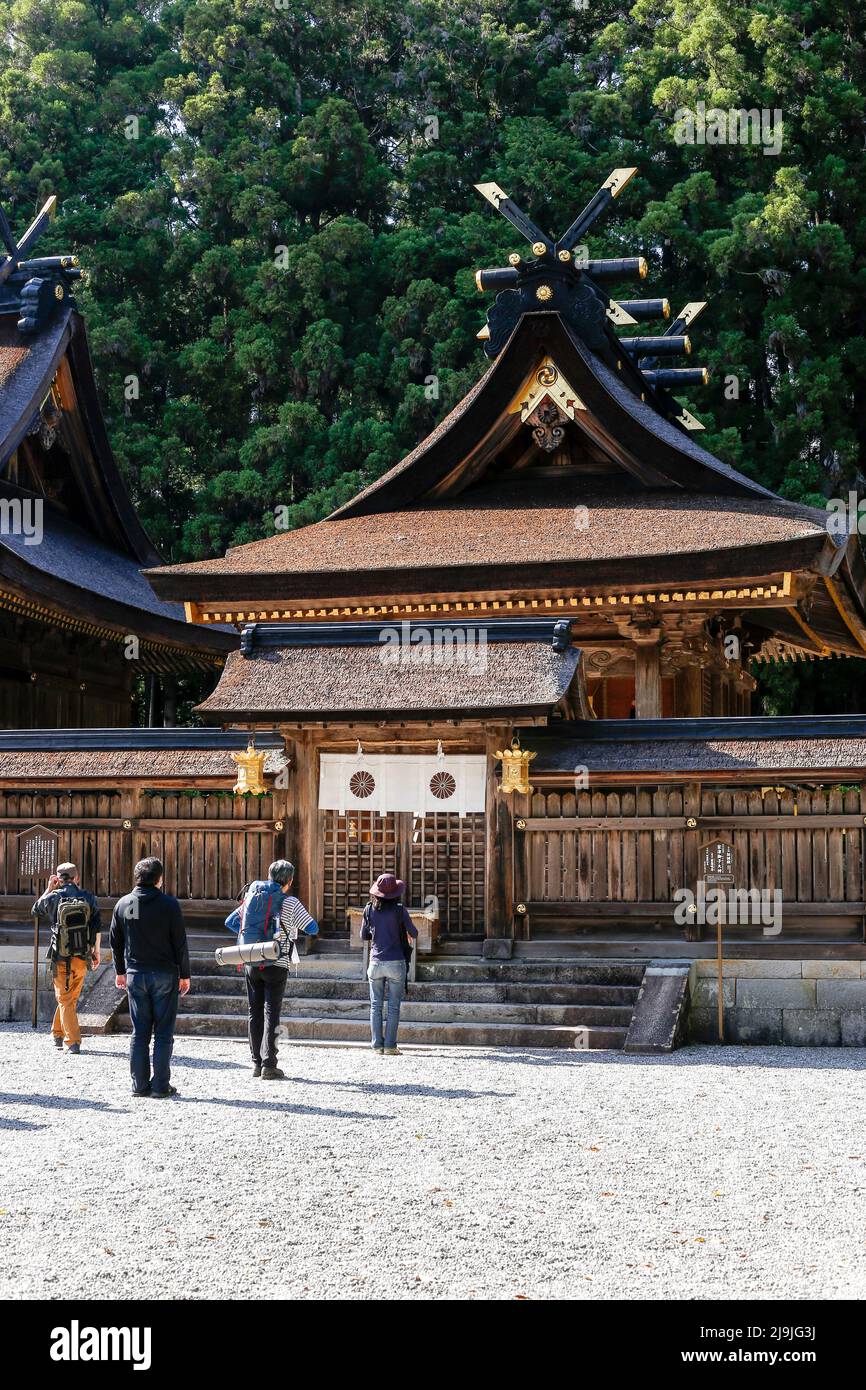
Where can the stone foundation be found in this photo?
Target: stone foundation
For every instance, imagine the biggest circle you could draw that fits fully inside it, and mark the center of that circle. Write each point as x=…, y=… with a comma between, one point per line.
x=795, y=1003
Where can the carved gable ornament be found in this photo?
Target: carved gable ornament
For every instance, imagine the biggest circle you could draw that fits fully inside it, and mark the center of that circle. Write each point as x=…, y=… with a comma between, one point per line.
x=548, y=405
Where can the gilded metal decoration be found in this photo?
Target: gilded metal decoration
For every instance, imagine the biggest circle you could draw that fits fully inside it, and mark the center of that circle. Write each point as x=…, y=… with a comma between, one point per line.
x=442, y=785
x=548, y=384
x=251, y=767
x=544, y=292
x=362, y=785
x=515, y=768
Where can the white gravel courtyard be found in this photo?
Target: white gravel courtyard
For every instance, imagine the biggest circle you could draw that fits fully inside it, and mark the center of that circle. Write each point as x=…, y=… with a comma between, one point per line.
x=438, y=1174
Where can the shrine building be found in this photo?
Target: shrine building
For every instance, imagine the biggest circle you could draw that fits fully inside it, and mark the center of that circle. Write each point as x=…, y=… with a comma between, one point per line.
x=516, y=670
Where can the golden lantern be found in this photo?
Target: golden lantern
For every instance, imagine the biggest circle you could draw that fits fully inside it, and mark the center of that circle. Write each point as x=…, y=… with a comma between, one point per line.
x=515, y=768
x=251, y=769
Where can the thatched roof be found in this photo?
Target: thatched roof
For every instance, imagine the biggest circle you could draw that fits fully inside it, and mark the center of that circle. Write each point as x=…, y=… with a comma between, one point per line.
x=341, y=681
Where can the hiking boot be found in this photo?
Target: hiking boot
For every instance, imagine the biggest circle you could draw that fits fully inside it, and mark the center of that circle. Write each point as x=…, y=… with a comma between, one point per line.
x=74, y=1049
x=58, y=1042
x=172, y=1091
x=380, y=1050
x=273, y=1074
x=257, y=1068
x=141, y=1094
x=393, y=1052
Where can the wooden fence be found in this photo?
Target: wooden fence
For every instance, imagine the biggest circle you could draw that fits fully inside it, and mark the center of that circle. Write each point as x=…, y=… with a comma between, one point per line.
x=626, y=852
x=210, y=844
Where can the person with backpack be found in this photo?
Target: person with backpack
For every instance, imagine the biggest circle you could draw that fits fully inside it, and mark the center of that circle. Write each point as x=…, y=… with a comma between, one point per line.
x=388, y=926
x=269, y=913
x=151, y=960
x=73, y=914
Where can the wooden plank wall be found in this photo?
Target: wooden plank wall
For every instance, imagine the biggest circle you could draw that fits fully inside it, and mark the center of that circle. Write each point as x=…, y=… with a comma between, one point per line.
x=637, y=848
x=202, y=841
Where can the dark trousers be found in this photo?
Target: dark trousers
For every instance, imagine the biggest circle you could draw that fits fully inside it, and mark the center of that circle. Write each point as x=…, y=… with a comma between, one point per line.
x=265, y=989
x=153, y=998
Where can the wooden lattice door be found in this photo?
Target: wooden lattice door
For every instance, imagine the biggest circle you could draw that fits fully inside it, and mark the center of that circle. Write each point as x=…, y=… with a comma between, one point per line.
x=438, y=856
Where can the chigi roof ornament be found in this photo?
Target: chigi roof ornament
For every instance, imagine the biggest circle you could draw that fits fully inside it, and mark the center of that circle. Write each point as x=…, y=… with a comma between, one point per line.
x=35, y=287
x=559, y=277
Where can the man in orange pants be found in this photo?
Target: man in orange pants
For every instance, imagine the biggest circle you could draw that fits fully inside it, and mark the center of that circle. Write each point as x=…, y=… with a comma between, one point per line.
x=73, y=914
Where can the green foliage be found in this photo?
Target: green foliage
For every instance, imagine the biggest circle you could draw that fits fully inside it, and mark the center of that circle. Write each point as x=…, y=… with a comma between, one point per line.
x=283, y=255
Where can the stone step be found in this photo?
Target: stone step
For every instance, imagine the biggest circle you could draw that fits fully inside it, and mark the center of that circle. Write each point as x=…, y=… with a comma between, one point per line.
x=565, y=1015
x=336, y=967
x=230, y=983
x=585, y=972
x=470, y=1034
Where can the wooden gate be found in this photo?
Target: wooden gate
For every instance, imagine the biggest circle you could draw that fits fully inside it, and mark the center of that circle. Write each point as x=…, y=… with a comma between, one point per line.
x=439, y=856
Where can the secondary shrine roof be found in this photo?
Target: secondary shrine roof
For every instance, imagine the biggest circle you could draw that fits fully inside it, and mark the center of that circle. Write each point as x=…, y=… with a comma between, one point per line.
x=796, y=745
x=339, y=681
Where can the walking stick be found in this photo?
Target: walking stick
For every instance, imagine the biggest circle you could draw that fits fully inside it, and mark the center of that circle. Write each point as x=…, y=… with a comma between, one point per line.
x=34, y=1008
x=721, y=979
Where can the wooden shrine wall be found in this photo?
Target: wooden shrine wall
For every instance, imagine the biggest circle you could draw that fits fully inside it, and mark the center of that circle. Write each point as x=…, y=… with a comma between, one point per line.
x=210, y=845
x=625, y=852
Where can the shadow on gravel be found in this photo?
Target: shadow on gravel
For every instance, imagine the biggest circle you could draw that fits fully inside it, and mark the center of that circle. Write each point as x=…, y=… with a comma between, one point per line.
x=406, y=1089
x=696, y=1054
x=59, y=1102
x=198, y=1063
x=285, y=1108
x=20, y=1124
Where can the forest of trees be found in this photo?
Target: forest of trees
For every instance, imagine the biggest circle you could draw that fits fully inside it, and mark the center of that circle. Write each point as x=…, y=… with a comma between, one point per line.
x=273, y=201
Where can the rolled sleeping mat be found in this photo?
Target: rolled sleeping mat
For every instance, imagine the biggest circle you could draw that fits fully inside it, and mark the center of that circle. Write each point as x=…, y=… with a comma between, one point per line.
x=254, y=954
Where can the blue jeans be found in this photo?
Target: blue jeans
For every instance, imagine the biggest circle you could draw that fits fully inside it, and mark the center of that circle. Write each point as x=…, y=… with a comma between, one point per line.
x=393, y=974
x=153, y=996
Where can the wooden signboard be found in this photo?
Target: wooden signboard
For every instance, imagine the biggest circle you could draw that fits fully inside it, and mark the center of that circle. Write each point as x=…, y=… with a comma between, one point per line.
x=37, y=857
x=717, y=864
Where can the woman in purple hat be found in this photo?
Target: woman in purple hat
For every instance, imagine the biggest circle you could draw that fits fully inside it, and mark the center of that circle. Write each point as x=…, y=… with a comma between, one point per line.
x=388, y=926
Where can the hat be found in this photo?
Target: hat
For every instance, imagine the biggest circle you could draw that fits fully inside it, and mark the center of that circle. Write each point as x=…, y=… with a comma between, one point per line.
x=387, y=886
x=66, y=870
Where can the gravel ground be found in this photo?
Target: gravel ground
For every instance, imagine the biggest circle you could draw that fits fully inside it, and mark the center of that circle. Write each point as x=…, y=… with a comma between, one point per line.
x=444, y=1173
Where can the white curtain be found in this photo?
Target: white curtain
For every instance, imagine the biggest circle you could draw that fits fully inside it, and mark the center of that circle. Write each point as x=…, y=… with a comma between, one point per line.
x=418, y=783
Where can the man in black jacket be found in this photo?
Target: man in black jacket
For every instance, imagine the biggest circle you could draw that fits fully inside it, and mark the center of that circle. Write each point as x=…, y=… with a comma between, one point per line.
x=151, y=958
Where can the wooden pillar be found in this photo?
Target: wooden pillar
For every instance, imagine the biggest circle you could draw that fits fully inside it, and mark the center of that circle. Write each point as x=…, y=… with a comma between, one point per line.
x=169, y=701
x=648, y=676
x=499, y=847
x=692, y=686
x=306, y=822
